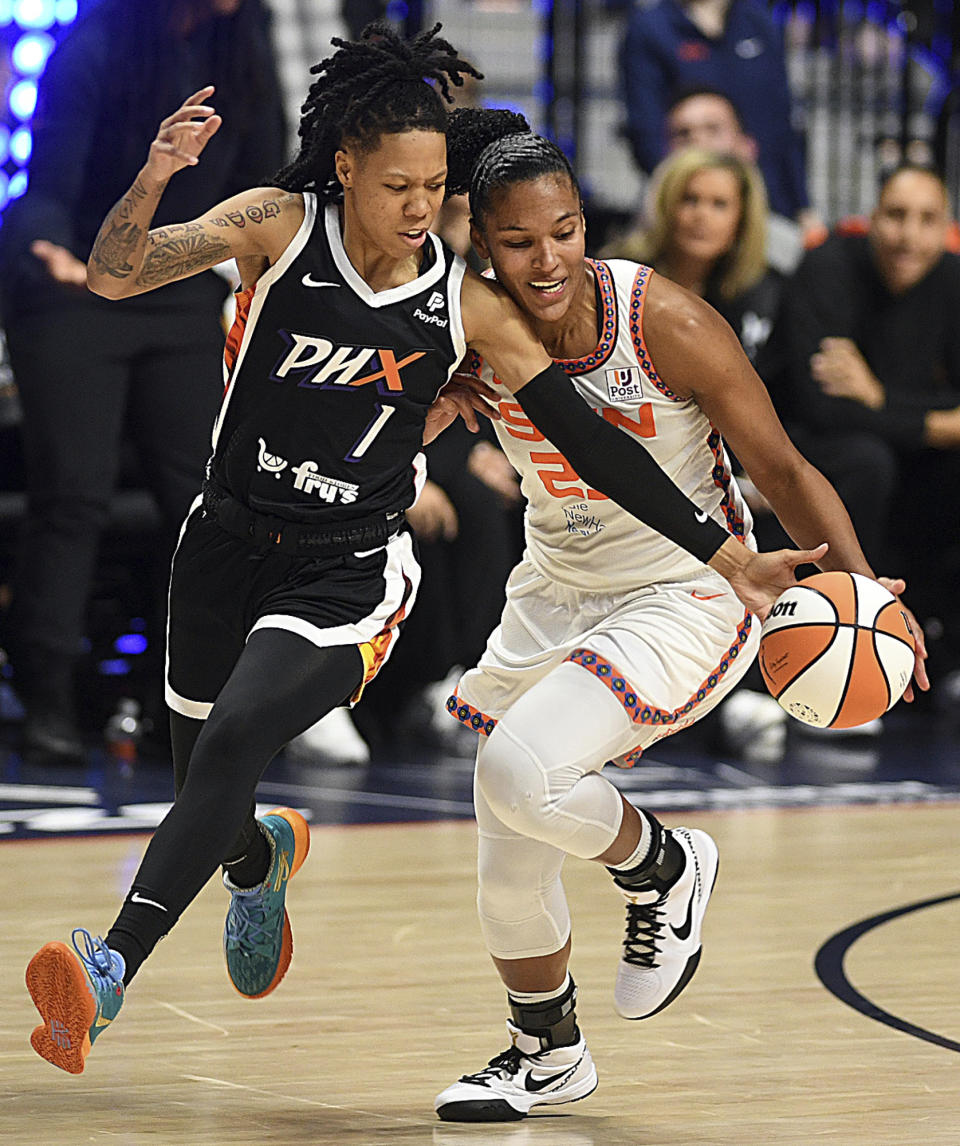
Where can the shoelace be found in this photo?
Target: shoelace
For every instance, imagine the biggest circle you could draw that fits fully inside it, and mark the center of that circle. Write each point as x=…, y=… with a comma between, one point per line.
x=96, y=957
x=507, y=1063
x=248, y=923
x=641, y=946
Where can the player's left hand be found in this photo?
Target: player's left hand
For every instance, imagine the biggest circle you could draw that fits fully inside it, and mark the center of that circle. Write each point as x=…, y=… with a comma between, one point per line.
x=464, y=396
x=896, y=585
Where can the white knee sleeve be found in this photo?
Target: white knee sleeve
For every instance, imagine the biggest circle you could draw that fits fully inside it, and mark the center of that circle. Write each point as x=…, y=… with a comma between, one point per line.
x=522, y=907
x=539, y=769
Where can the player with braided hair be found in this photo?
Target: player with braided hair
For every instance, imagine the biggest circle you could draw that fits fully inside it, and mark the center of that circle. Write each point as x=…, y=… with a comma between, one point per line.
x=295, y=568
x=632, y=636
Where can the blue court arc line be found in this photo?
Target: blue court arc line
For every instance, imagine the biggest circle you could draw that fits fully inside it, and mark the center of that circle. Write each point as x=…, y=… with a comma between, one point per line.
x=828, y=965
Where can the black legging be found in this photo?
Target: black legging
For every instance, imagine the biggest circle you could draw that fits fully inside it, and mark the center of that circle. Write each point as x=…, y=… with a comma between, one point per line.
x=281, y=685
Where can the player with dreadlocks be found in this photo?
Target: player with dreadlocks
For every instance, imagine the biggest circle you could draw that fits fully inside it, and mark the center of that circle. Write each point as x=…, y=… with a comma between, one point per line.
x=294, y=567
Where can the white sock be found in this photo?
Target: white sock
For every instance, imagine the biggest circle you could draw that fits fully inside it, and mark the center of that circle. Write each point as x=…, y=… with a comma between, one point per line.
x=641, y=852
x=539, y=996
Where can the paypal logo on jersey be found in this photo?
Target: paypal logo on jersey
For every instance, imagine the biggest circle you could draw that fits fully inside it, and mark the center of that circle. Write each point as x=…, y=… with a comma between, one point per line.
x=319, y=363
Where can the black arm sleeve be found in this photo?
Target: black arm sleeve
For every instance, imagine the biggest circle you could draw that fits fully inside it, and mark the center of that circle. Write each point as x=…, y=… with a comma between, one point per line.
x=616, y=465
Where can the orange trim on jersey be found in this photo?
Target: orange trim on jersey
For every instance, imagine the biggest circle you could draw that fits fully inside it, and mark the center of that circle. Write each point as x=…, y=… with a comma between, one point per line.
x=608, y=324
x=638, y=295
x=721, y=479
x=374, y=652
x=640, y=711
x=470, y=716
x=238, y=328
x=606, y=343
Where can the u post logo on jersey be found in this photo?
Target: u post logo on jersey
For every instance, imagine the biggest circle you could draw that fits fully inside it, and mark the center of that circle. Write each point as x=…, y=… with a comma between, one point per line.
x=623, y=384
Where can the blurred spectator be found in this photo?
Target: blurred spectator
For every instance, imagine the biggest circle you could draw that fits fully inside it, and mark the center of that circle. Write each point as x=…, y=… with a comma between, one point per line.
x=871, y=388
x=89, y=371
x=357, y=14
x=730, y=46
x=706, y=118
x=708, y=233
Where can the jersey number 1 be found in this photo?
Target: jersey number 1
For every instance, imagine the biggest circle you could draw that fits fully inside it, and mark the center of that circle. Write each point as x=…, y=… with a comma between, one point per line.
x=365, y=441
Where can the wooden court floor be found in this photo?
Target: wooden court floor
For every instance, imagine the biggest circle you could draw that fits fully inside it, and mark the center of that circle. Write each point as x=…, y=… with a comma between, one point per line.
x=390, y=996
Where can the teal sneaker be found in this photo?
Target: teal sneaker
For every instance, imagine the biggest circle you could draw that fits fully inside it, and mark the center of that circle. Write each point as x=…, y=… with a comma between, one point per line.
x=78, y=994
x=257, y=939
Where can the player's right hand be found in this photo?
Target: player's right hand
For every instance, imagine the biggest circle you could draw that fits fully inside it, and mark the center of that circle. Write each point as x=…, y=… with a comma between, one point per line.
x=760, y=578
x=183, y=135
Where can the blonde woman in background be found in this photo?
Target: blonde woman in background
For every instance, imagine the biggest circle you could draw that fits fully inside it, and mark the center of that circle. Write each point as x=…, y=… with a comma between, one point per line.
x=708, y=232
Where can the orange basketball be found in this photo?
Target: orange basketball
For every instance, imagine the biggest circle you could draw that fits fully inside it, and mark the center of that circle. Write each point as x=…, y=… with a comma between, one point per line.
x=836, y=650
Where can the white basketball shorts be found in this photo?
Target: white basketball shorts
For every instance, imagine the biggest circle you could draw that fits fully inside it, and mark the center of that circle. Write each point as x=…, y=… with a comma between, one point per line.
x=668, y=652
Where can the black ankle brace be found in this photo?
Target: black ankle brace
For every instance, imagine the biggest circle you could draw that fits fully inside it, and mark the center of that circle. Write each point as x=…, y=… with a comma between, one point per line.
x=661, y=869
x=554, y=1022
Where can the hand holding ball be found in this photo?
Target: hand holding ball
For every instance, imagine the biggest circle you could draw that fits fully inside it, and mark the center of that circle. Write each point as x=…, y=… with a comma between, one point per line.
x=836, y=650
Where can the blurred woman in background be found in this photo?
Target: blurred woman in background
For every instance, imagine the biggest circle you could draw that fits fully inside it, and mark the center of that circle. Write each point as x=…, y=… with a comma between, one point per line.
x=708, y=232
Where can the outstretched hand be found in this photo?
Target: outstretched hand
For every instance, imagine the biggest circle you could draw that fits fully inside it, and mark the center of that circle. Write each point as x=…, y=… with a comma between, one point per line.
x=760, y=580
x=896, y=585
x=463, y=396
x=183, y=135
x=62, y=265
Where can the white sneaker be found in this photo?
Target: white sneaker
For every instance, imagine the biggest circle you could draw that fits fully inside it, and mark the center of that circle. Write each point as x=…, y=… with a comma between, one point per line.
x=335, y=738
x=661, y=949
x=522, y=1077
x=754, y=725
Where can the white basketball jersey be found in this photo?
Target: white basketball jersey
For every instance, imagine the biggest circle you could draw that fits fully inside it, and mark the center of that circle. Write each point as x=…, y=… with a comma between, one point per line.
x=575, y=534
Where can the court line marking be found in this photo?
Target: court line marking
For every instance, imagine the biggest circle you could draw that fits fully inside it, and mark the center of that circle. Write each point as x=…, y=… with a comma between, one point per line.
x=296, y=1098
x=377, y=799
x=828, y=965
x=193, y=1018
x=48, y=794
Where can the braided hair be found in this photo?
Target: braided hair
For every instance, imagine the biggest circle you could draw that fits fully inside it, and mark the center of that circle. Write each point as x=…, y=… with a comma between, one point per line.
x=489, y=148
x=377, y=85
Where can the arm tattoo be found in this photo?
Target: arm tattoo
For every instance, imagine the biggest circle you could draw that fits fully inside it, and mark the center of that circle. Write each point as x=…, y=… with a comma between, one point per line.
x=181, y=256
x=112, y=250
x=129, y=203
x=253, y=213
x=172, y=230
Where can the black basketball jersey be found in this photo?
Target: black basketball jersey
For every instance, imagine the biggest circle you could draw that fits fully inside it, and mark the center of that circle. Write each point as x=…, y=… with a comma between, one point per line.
x=328, y=382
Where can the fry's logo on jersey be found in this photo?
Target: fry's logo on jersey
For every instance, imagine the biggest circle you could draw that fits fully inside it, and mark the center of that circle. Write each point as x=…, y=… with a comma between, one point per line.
x=306, y=477
x=272, y=463
x=623, y=385
x=319, y=363
x=309, y=479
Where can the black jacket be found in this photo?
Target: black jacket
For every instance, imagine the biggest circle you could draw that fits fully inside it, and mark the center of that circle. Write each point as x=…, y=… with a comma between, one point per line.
x=101, y=100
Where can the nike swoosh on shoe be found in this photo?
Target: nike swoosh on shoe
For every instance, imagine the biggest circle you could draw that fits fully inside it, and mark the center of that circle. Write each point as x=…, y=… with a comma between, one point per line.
x=683, y=931
x=534, y=1085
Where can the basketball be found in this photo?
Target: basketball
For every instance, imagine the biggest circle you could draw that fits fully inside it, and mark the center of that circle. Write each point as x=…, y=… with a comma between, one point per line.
x=836, y=650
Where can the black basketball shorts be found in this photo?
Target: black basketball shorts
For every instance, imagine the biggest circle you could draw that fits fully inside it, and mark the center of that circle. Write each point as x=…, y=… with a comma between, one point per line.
x=222, y=589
